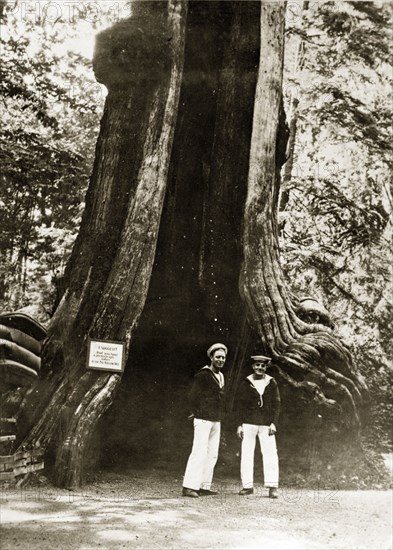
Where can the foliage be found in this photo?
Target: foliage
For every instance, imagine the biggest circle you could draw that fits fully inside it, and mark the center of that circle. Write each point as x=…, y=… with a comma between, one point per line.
x=51, y=108
x=337, y=224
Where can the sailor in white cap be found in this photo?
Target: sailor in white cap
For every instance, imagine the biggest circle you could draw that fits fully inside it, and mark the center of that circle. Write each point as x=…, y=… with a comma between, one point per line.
x=206, y=400
x=258, y=408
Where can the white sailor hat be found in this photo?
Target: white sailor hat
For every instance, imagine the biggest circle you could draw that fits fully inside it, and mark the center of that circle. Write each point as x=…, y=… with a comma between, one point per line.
x=261, y=358
x=215, y=347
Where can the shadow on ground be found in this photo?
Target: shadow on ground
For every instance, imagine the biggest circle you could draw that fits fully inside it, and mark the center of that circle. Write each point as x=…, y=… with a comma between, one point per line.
x=145, y=510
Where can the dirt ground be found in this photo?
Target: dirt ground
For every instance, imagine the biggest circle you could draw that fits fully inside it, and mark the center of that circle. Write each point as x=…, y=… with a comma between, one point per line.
x=145, y=510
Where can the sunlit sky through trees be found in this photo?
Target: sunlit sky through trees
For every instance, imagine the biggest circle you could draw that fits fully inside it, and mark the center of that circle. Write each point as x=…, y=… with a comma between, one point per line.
x=85, y=19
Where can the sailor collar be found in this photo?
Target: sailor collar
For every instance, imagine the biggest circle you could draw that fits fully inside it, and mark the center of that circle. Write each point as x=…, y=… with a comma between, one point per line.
x=265, y=380
x=219, y=380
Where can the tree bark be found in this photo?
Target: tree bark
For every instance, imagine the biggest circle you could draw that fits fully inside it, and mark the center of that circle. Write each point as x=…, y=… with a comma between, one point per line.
x=309, y=357
x=109, y=271
x=209, y=140
x=288, y=167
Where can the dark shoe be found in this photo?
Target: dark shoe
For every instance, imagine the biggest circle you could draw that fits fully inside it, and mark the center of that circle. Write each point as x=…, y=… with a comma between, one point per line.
x=248, y=491
x=207, y=492
x=189, y=493
x=273, y=492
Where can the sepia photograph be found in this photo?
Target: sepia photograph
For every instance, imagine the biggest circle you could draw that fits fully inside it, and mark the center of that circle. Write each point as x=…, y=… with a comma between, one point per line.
x=196, y=283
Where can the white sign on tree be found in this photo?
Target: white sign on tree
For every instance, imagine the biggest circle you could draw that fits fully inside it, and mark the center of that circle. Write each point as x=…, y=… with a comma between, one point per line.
x=106, y=355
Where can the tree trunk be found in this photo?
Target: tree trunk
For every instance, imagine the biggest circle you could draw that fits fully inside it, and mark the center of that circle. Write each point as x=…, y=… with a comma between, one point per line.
x=309, y=357
x=204, y=146
x=293, y=114
x=288, y=167
x=140, y=61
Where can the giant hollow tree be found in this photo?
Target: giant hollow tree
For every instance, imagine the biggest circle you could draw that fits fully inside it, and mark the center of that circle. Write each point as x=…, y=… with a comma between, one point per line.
x=178, y=243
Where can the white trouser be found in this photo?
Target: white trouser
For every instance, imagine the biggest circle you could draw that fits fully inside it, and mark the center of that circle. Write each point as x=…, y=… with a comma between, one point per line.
x=269, y=455
x=204, y=454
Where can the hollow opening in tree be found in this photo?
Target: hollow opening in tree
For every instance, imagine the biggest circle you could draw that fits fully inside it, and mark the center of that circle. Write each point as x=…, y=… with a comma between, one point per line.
x=188, y=158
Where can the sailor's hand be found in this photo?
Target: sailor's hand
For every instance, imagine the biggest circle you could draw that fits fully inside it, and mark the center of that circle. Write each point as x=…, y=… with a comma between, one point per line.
x=272, y=429
x=240, y=432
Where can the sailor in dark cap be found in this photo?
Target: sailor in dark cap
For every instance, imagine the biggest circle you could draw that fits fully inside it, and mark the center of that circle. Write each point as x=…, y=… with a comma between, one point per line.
x=205, y=406
x=258, y=408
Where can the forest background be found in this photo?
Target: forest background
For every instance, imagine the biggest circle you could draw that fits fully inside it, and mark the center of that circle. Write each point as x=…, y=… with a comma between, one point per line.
x=336, y=200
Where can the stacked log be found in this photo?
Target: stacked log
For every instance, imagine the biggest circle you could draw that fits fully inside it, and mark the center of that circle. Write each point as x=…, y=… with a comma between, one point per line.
x=21, y=339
